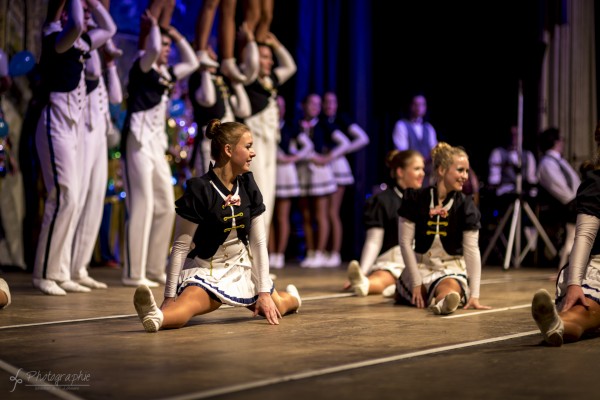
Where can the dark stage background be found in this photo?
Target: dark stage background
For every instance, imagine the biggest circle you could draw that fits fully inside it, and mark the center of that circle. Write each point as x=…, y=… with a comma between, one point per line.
x=467, y=58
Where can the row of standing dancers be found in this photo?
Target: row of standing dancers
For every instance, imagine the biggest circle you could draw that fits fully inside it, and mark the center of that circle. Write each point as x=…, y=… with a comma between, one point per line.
x=220, y=253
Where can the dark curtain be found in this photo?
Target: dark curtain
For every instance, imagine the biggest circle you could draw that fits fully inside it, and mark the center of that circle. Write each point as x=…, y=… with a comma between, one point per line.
x=333, y=52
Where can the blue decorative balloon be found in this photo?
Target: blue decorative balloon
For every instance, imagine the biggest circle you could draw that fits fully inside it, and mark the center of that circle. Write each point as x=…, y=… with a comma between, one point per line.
x=177, y=108
x=3, y=128
x=21, y=63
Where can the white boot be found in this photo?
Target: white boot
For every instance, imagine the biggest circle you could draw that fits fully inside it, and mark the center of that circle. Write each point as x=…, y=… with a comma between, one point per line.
x=90, y=282
x=48, y=286
x=447, y=305
x=389, y=292
x=147, y=310
x=308, y=260
x=281, y=261
x=205, y=60
x=333, y=260
x=358, y=281
x=4, y=288
x=293, y=291
x=74, y=287
x=276, y=260
x=320, y=260
x=230, y=69
x=546, y=317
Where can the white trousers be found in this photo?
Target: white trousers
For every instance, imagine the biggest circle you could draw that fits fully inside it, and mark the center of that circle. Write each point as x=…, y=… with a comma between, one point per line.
x=94, y=175
x=265, y=132
x=58, y=145
x=150, y=206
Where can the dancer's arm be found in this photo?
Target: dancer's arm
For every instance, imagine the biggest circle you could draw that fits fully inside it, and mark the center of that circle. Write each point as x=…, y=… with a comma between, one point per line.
x=106, y=28
x=240, y=102
x=73, y=28
x=371, y=248
x=189, y=61
x=206, y=94
x=287, y=66
x=184, y=234
x=585, y=234
x=153, y=43
x=115, y=90
x=359, y=138
x=472, y=260
x=406, y=236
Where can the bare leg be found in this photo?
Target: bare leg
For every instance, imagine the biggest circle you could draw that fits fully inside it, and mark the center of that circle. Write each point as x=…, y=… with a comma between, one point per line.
x=204, y=23
x=162, y=10
x=447, y=297
x=203, y=28
x=252, y=14
x=579, y=320
x=445, y=287
x=379, y=280
x=229, y=67
x=304, y=204
x=334, y=217
x=266, y=16
x=283, y=223
x=4, y=294
x=227, y=28
x=285, y=302
x=165, y=12
x=258, y=15
x=321, y=208
x=193, y=301
x=109, y=47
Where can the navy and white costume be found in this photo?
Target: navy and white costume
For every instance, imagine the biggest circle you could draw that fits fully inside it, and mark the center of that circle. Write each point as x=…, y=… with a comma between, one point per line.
x=213, y=98
x=222, y=258
x=93, y=161
x=59, y=141
x=358, y=139
x=583, y=268
x=148, y=178
x=264, y=124
x=315, y=179
x=445, y=243
x=293, y=143
x=380, y=217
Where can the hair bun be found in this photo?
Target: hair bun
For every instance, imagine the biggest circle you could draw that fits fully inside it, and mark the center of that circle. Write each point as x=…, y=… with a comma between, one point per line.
x=211, y=128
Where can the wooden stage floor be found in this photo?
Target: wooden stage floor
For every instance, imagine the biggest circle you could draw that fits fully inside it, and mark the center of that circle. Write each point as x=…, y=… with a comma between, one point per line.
x=339, y=346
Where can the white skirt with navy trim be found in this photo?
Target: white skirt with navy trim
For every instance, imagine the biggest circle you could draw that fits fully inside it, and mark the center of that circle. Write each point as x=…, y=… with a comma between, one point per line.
x=342, y=171
x=228, y=275
x=390, y=261
x=287, y=183
x=316, y=180
x=590, y=283
x=435, y=266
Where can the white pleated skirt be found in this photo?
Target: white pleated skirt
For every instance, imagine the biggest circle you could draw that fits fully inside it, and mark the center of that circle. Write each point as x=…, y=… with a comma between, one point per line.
x=287, y=183
x=228, y=275
x=316, y=180
x=342, y=171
